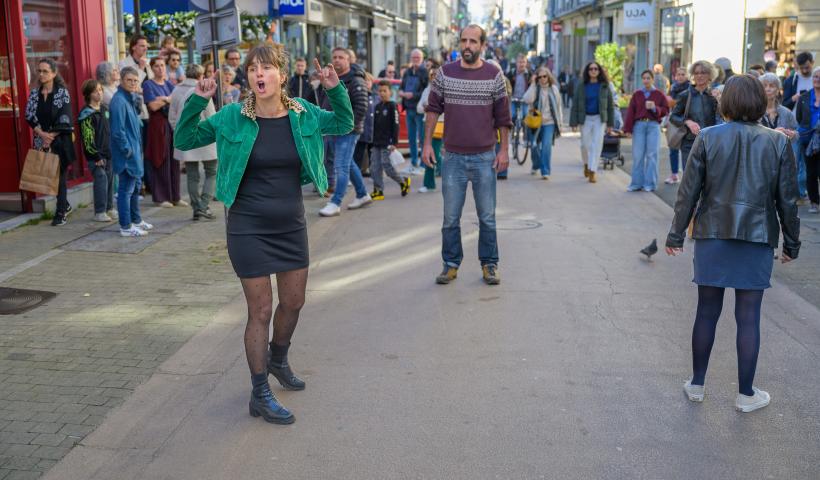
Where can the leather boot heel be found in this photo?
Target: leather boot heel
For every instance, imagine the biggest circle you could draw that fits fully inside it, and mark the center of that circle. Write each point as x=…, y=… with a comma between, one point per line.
x=264, y=404
x=285, y=376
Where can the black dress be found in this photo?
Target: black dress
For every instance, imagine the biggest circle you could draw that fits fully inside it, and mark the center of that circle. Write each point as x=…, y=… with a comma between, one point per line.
x=267, y=233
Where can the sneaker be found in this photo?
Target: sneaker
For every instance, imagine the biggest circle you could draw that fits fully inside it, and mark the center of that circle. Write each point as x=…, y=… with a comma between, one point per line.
x=545, y=177
x=113, y=214
x=207, y=214
x=377, y=195
x=501, y=177
x=143, y=225
x=182, y=203
x=673, y=179
x=490, y=273
x=592, y=178
x=813, y=208
x=746, y=404
x=58, y=220
x=330, y=210
x=802, y=201
x=164, y=204
x=447, y=275
x=405, y=187
x=426, y=190
x=693, y=392
x=196, y=216
x=533, y=172
x=647, y=189
x=633, y=189
x=69, y=210
x=133, y=231
x=101, y=217
x=360, y=202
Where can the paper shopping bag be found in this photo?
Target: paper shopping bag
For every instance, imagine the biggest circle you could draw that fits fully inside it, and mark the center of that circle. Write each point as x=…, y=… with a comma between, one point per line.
x=41, y=172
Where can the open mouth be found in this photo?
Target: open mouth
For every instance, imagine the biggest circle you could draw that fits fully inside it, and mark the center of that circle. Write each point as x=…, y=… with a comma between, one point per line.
x=260, y=86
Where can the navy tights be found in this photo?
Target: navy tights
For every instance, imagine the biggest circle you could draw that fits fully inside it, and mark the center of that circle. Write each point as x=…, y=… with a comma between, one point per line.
x=747, y=316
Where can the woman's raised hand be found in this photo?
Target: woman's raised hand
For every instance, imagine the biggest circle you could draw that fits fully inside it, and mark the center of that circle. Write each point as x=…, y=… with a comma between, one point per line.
x=206, y=88
x=327, y=75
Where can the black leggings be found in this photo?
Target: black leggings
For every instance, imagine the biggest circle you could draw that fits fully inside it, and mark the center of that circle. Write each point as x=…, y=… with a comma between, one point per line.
x=812, y=176
x=747, y=316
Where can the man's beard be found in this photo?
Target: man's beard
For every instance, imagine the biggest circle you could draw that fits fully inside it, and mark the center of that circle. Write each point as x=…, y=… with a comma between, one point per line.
x=472, y=57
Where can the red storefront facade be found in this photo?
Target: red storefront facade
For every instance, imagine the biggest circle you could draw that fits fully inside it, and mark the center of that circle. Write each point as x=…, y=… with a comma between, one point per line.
x=72, y=32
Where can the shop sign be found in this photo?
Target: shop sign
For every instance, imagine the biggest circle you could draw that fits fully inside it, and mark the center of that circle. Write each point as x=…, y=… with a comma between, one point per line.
x=291, y=7
x=637, y=17
x=31, y=24
x=557, y=27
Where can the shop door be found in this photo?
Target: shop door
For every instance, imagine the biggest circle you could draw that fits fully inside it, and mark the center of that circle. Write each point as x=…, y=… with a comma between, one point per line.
x=9, y=167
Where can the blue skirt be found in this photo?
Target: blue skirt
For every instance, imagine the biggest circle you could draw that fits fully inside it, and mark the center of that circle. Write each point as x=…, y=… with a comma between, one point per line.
x=733, y=264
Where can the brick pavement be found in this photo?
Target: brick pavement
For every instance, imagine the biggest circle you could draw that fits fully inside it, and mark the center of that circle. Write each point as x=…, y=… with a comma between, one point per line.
x=65, y=365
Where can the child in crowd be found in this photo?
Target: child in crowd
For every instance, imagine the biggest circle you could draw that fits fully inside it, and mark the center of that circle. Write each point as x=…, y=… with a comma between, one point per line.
x=385, y=138
x=96, y=138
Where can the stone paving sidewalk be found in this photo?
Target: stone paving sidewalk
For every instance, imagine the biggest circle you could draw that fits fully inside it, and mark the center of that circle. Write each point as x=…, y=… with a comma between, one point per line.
x=115, y=319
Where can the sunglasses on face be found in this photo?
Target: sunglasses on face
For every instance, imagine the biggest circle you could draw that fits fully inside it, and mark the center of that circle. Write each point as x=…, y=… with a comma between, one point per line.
x=542, y=77
x=594, y=69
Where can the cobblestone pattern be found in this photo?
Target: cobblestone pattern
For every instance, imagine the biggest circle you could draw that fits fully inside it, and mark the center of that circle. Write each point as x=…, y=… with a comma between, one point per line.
x=65, y=365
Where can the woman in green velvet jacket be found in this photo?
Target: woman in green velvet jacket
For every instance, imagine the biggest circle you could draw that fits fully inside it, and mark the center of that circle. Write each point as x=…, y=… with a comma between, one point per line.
x=268, y=147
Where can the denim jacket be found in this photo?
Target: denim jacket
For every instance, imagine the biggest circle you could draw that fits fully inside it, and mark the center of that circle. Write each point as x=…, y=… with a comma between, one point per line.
x=126, y=134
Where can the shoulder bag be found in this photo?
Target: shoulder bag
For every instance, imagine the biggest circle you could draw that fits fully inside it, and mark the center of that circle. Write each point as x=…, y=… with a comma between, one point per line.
x=533, y=118
x=675, y=134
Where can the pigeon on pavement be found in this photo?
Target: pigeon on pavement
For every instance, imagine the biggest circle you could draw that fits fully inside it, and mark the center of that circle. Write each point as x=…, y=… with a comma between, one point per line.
x=650, y=249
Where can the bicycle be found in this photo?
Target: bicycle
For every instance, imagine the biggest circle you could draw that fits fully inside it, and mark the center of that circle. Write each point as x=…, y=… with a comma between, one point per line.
x=518, y=127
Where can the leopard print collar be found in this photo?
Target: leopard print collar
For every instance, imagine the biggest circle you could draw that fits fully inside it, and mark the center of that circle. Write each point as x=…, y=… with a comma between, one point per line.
x=249, y=106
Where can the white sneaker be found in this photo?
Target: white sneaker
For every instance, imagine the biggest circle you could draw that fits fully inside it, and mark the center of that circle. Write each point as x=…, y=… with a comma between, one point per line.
x=673, y=179
x=360, y=202
x=133, y=231
x=143, y=225
x=545, y=177
x=694, y=392
x=425, y=190
x=330, y=210
x=164, y=204
x=113, y=214
x=182, y=203
x=101, y=217
x=746, y=404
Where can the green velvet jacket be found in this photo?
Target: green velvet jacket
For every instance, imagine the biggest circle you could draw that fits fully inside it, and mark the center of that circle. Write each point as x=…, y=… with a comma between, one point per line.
x=234, y=129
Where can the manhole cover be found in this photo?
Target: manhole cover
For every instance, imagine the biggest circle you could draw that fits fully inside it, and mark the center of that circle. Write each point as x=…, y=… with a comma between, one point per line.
x=516, y=224
x=14, y=300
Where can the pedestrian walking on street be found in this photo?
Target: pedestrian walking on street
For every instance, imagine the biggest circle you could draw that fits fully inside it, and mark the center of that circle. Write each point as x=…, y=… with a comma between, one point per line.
x=739, y=193
x=165, y=170
x=345, y=168
x=268, y=146
x=696, y=108
x=544, y=96
x=385, y=140
x=206, y=156
x=413, y=82
x=473, y=96
x=593, y=110
x=430, y=173
x=795, y=85
x=808, y=117
x=126, y=153
x=680, y=85
x=646, y=111
x=48, y=113
x=95, y=134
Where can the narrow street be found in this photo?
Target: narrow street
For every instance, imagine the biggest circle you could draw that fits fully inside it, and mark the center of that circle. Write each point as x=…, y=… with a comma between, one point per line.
x=571, y=368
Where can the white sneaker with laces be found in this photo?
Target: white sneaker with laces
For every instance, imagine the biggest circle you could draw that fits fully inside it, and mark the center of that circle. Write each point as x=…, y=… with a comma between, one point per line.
x=694, y=392
x=360, y=202
x=132, y=231
x=746, y=404
x=113, y=214
x=425, y=190
x=143, y=225
x=101, y=217
x=673, y=179
x=182, y=203
x=330, y=210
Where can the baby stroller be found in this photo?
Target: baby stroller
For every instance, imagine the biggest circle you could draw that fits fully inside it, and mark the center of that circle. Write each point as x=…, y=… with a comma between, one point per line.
x=611, y=152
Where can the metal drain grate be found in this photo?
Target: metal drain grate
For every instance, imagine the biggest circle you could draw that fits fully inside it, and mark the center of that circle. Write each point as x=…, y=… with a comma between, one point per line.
x=14, y=300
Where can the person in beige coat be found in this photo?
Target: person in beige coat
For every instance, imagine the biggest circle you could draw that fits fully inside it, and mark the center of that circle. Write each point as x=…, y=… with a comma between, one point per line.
x=205, y=155
x=542, y=95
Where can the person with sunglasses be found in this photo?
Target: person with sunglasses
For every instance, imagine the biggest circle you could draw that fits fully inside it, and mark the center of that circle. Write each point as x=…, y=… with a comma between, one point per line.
x=696, y=108
x=593, y=110
x=543, y=96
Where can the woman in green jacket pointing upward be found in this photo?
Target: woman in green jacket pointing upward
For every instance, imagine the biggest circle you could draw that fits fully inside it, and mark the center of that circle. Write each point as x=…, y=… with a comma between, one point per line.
x=268, y=147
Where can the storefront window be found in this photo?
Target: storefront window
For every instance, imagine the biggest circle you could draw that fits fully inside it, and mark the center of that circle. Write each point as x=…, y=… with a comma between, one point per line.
x=45, y=26
x=358, y=43
x=637, y=60
x=676, y=38
x=295, y=39
x=771, y=39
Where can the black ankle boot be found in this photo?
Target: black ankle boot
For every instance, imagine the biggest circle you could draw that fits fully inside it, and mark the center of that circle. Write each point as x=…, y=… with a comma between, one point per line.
x=278, y=367
x=263, y=403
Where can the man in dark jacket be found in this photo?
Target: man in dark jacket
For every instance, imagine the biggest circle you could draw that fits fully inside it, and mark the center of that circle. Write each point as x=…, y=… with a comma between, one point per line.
x=345, y=169
x=799, y=81
x=299, y=83
x=413, y=82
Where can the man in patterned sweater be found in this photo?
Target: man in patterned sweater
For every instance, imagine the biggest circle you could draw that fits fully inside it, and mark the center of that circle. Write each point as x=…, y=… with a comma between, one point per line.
x=473, y=96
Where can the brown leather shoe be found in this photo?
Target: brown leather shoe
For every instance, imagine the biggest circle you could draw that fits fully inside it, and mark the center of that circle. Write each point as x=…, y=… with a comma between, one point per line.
x=447, y=275
x=586, y=171
x=592, y=177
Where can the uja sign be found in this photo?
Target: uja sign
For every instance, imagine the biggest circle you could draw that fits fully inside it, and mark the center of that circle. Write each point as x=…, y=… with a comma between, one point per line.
x=638, y=17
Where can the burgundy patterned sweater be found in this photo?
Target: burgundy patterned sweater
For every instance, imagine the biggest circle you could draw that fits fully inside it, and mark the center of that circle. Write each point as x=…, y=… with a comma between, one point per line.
x=475, y=104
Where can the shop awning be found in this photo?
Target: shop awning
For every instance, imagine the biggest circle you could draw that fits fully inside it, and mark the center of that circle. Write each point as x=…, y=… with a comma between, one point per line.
x=161, y=6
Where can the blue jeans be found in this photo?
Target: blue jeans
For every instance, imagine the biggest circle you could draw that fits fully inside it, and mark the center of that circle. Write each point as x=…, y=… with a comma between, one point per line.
x=103, y=186
x=646, y=142
x=128, y=199
x=415, y=134
x=457, y=171
x=674, y=160
x=542, y=150
x=345, y=168
x=800, y=156
x=519, y=111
